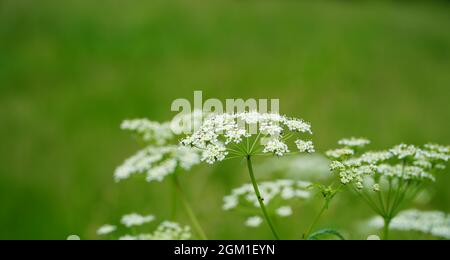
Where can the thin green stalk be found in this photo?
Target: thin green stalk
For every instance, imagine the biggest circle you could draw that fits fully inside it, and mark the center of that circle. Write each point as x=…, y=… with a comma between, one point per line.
x=174, y=199
x=260, y=199
x=189, y=210
x=387, y=222
x=388, y=203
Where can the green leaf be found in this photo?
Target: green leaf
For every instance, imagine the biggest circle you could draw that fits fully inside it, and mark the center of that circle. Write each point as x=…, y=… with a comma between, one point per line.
x=322, y=232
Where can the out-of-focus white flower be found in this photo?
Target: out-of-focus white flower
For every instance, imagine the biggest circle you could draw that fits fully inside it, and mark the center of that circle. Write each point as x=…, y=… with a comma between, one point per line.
x=373, y=237
x=158, y=162
x=403, y=151
x=354, y=142
x=149, y=131
x=284, y=211
x=73, y=237
x=219, y=134
x=128, y=238
x=168, y=230
x=254, y=222
x=282, y=189
x=435, y=223
x=106, y=229
x=340, y=153
x=135, y=219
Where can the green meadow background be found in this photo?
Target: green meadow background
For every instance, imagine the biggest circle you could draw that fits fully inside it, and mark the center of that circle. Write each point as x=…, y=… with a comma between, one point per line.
x=71, y=71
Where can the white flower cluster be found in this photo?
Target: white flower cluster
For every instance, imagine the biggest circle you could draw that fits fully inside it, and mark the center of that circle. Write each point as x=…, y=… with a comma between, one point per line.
x=149, y=131
x=305, y=146
x=403, y=161
x=340, y=153
x=167, y=230
x=106, y=230
x=354, y=142
x=404, y=172
x=129, y=220
x=254, y=221
x=218, y=131
x=134, y=219
x=435, y=223
x=157, y=162
x=279, y=189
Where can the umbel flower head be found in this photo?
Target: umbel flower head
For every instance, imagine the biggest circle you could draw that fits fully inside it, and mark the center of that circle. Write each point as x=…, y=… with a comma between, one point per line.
x=157, y=162
x=387, y=179
x=371, y=169
x=248, y=133
x=162, y=155
x=135, y=219
x=434, y=223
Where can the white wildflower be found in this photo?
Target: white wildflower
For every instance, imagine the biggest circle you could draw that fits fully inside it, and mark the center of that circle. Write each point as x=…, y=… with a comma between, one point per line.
x=354, y=142
x=376, y=187
x=276, y=147
x=73, y=238
x=219, y=132
x=157, y=162
x=282, y=189
x=149, y=131
x=135, y=219
x=284, y=211
x=373, y=237
x=128, y=238
x=340, y=153
x=305, y=146
x=254, y=222
x=168, y=230
x=435, y=223
x=214, y=153
x=106, y=229
x=403, y=151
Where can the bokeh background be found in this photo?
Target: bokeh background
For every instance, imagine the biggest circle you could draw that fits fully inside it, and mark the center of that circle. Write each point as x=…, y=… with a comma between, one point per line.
x=71, y=71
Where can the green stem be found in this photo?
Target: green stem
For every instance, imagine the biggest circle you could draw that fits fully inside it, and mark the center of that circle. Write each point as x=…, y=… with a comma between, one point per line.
x=174, y=199
x=260, y=199
x=387, y=222
x=316, y=220
x=189, y=211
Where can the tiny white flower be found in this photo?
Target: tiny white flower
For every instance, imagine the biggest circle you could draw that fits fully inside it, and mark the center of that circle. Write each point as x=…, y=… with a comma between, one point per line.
x=305, y=146
x=281, y=189
x=373, y=237
x=340, y=153
x=106, y=229
x=354, y=142
x=128, y=238
x=285, y=211
x=135, y=219
x=435, y=223
x=254, y=222
x=73, y=237
x=276, y=147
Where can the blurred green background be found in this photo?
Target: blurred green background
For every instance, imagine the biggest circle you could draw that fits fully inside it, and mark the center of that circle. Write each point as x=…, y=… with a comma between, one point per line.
x=70, y=71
